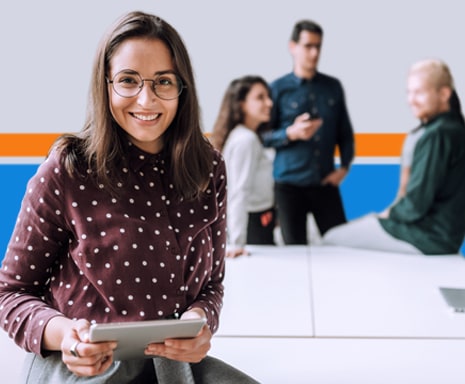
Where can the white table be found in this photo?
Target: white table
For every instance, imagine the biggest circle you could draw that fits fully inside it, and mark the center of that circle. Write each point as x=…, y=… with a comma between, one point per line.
x=332, y=315
x=268, y=293
x=359, y=293
x=344, y=361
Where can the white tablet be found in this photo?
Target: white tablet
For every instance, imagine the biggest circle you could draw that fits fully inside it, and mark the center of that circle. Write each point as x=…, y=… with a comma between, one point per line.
x=133, y=337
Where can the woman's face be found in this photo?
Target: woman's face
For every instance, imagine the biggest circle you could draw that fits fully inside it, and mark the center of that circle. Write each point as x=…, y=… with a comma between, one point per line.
x=257, y=106
x=144, y=117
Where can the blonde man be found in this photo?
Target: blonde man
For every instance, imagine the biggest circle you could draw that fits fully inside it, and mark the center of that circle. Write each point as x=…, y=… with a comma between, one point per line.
x=429, y=218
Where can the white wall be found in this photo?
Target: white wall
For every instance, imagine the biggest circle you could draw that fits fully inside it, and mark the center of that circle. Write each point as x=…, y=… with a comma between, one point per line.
x=47, y=48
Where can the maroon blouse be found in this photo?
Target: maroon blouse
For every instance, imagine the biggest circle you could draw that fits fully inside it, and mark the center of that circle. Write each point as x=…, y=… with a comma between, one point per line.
x=145, y=255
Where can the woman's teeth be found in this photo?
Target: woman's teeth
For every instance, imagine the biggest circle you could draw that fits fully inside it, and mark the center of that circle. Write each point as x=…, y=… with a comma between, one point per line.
x=145, y=117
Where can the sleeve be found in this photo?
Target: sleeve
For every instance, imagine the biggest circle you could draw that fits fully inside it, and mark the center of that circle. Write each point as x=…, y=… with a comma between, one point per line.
x=277, y=137
x=241, y=166
x=345, y=141
x=408, y=147
x=210, y=298
x=37, y=243
x=426, y=177
x=407, y=151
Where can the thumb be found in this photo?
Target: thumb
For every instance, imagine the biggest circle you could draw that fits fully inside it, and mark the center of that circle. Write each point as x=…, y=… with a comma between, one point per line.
x=81, y=328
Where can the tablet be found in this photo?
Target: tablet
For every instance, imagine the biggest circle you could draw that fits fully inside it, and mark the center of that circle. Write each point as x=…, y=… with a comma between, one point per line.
x=133, y=337
x=454, y=297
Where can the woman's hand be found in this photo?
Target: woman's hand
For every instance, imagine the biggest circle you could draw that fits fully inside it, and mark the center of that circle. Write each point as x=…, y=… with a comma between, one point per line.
x=189, y=350
x=235, y=252
x=82, y=357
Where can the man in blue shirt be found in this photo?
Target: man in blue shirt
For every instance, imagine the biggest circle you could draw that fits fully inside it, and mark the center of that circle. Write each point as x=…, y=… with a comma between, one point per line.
x=309, y=121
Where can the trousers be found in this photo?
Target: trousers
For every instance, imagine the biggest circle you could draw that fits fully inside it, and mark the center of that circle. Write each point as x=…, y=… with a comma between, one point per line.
x=157, y=370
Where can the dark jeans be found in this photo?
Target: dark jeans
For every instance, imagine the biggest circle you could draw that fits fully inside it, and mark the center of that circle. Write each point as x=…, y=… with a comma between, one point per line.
x=295, y=202
x=260, y=227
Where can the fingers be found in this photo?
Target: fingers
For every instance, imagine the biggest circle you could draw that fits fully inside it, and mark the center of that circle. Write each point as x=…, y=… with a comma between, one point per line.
x=87, y=359
x=235, y=252
x=90, y=366
x=73, y=349
x=303, y=127
x=83, y=357
x=187, y=350
x=303, y=117
x=81, y=327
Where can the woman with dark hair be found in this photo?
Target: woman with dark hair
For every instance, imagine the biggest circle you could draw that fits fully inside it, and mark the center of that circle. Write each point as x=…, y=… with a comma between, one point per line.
x=244, y=112
x=125, y=221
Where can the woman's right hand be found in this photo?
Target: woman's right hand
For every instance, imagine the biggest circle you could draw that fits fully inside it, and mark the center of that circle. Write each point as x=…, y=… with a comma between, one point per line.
x=235, y=252
x=82, y=357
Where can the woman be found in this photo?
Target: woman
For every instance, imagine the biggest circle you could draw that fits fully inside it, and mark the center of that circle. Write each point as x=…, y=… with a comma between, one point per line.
x=123, y=222
x=244, y=111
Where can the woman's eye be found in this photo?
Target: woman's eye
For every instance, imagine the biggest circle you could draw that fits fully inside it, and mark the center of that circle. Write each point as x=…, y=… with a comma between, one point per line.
x=128, y=80
x=165, y=81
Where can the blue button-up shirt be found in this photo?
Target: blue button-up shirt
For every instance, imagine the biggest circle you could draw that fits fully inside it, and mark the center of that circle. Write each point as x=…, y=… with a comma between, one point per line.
x=307, y=162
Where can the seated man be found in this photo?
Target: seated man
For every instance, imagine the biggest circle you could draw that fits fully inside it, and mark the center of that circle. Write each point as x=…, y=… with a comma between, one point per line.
x=430, y=217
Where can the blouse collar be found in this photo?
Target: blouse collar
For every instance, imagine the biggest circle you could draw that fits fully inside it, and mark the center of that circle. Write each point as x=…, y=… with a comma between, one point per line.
x=138, y=158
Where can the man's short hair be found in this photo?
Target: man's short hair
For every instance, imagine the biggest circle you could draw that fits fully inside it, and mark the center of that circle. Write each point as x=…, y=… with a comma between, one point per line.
x=305, y=25
x=438, y=72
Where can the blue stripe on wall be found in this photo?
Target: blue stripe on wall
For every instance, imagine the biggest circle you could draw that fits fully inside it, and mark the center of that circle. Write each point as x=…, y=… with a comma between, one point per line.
x=14, y=179
x=367, y=188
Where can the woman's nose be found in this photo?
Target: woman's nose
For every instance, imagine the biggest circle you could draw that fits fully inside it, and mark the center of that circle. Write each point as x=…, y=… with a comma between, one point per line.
x=147, y=93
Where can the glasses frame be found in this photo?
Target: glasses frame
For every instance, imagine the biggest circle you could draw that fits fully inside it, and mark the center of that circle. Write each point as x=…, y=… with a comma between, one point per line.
x=153, y=87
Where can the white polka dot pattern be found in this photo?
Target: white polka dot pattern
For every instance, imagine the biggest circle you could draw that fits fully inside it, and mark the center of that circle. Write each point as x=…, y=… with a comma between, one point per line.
x=145, y=254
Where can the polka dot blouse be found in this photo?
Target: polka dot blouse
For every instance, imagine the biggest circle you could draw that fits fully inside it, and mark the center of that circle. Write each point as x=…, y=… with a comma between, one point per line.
x=144, y=255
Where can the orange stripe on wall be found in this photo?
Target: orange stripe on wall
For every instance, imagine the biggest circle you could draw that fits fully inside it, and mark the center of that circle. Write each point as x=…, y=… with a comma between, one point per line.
x=379, y=144
x=26, y=144
x=38, y=144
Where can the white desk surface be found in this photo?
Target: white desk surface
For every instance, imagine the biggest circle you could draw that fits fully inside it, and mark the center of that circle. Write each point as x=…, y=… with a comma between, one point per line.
x=268, y=293
x=375, y=318
x=358, y=293
x=344, y=361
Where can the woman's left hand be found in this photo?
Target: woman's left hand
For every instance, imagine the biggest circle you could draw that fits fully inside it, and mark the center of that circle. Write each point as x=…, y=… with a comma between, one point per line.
x=189, y=350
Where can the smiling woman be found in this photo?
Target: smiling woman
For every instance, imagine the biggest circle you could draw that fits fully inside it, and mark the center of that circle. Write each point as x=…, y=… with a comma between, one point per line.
x=133, y=203
x=141, y=111
x=245, y=110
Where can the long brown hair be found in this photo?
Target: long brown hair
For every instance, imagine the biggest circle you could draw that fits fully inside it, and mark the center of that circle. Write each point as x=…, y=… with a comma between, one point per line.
x=102, y=141
x=231, y=113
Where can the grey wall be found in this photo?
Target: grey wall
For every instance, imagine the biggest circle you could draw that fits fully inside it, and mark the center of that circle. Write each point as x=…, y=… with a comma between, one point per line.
x=47, y=48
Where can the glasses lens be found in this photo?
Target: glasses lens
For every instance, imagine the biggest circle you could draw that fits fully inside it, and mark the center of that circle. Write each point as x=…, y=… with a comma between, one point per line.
x=127, y=84
x=167, y=86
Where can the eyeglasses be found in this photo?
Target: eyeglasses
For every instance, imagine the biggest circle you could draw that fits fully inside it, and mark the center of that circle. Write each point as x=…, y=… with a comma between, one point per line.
x=127, y=83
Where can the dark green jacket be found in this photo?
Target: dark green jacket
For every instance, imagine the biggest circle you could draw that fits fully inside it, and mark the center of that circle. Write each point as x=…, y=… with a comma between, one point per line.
x=431, y=216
